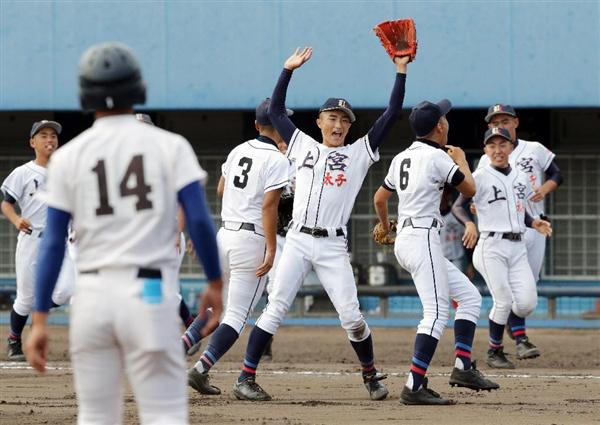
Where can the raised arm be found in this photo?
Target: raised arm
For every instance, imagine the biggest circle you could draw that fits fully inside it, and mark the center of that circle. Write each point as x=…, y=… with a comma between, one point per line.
x=384, y=123
x=277, y=112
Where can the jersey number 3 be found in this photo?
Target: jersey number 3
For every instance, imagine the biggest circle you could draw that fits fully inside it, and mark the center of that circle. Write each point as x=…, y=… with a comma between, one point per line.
x=141, y=189
x=242, y=180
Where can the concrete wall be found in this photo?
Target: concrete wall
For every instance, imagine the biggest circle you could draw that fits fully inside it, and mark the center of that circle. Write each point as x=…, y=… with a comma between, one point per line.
x=227, y=55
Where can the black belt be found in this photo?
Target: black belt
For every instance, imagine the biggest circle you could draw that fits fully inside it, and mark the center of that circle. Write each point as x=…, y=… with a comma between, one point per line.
x=319, y=232
x=143, y=273
x=39, y=235
x=244, y=226
x=509, y=236
x=408, y=222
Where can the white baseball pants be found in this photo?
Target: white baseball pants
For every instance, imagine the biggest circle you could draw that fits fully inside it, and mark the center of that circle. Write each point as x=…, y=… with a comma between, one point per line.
x=329, y=258
x=116, y=333
x=536, y=249
x=241, y=252
x=419, y=251
x=503, y=264
x=26, y=261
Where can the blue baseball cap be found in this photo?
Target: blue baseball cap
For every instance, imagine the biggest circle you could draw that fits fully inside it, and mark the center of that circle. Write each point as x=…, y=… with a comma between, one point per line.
x=262, y=112
x=496, y=132
x=424, y=116
x=338, y=104
x=38, y=125
x=500, y=109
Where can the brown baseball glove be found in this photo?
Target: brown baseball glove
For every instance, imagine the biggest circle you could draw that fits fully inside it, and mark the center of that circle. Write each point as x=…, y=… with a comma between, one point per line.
x=382, y=237
x=399, y=38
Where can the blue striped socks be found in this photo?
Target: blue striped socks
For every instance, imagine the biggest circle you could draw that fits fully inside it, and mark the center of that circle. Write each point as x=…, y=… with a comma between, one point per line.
x=256, y=347
x=464, y=332
x=425, y=346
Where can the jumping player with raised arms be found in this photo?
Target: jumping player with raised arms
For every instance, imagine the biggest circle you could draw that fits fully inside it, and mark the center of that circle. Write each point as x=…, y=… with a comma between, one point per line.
x=418, y=175
x=328, y=178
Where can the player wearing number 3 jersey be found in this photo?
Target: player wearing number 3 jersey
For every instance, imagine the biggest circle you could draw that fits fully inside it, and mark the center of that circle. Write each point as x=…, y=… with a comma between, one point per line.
x=418, y=175
x=120, y=181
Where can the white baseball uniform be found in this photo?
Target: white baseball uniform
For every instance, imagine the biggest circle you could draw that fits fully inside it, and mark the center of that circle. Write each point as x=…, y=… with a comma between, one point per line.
x=418, y=175
x=327, y=182
x=501, y=255
x=25, y=184
x=251, y=170
x=451, y=237
x=119, y=181
x=531, y=158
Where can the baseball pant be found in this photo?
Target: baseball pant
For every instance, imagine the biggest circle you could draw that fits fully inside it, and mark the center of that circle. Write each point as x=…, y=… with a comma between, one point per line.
x=419, y=251
x=504, y=266
x=125, y=326
x=26, y=261
x=271, y=274
x=536, y=249
x=241, y=253
x=329, y=258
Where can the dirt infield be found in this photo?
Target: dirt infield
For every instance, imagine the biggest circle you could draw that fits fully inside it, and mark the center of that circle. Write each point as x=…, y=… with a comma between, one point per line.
x=314, y=379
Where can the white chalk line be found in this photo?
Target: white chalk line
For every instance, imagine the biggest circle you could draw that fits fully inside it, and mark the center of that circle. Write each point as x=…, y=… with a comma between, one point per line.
x=24, y=366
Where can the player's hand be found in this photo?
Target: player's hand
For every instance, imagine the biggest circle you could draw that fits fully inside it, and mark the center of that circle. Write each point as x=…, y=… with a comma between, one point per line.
x=267, y=264
x=36, y=347
x=470, y=237
x=297, y=59
x=539, y=194
x=190, y=247
x=473, y=208
x=211, y=297
x=23, y=225
x=401, y=63
x=542, y=226
x=456, y=153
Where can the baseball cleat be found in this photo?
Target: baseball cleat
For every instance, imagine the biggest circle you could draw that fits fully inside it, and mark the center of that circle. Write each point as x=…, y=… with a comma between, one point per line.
x=472, y=379
x=526, y=350
x=423, y=396
x=200, y=381
x=249, y=390
x=15, y=351
x=497, y=359
x=377, y=391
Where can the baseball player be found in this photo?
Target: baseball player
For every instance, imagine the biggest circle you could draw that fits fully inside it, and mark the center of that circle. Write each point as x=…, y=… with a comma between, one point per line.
x=501, y=255
x=253, y=177
x=328, y=178
x=22, y=188
x=120, y=182
x=184, y=312
x=418, y=175
x=537, y=162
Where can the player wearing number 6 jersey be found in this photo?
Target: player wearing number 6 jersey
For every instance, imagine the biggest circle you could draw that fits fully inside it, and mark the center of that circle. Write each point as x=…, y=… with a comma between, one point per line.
x=120, y=181
x=253, y=177
x=418, y=175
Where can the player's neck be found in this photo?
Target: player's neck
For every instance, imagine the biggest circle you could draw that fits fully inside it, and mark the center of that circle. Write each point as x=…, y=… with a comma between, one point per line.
x=41, y=161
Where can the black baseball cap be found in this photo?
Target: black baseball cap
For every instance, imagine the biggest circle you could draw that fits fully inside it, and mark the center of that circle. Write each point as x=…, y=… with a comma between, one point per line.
x=496, y=132
x=500, y=109
x=38, y=125
x=338, y=104
x=426, y=115
x=262, y=112
x=144, y=118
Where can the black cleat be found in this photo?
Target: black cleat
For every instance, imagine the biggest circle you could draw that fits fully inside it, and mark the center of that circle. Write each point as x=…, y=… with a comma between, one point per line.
x=497, y=359
x=377, y=391
x=15, y=351
x=526, y=350
x=472, y=379
x=249, y=390
x=200, y=381
x=423, y=396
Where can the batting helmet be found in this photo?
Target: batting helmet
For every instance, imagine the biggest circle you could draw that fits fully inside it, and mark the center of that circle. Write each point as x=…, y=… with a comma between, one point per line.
x=110, y=78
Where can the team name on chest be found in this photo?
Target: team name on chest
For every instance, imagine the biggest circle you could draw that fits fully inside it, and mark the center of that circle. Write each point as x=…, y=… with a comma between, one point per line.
x=333, y=166
x=497, y=193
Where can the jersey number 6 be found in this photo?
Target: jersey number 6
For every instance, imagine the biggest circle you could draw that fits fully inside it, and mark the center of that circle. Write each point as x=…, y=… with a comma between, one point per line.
x=404, y=173
x=141, y=189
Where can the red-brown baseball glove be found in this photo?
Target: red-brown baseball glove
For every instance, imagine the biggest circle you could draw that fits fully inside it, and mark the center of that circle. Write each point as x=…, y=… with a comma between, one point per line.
x=399, y=38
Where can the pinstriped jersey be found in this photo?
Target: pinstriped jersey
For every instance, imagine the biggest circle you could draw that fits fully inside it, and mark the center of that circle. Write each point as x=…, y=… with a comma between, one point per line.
x=251, y=170
x=500, y=200
x=418, y=175
x=531, y=158
x=327, y=179
x=25, y=184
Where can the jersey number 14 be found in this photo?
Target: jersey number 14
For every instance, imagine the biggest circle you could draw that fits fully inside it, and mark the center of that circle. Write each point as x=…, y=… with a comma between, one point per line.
x=141, y=189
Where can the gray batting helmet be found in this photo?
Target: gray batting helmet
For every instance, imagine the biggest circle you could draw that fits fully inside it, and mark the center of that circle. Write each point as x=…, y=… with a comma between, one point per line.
x=110, y=78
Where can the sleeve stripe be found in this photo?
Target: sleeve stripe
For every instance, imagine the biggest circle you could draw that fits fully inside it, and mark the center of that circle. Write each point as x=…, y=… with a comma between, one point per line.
x=277, y=185
x=368, y=148
x=10, y=192
x=552, y=156
x=387, y=185
x=292, y=143
x=454, y=168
